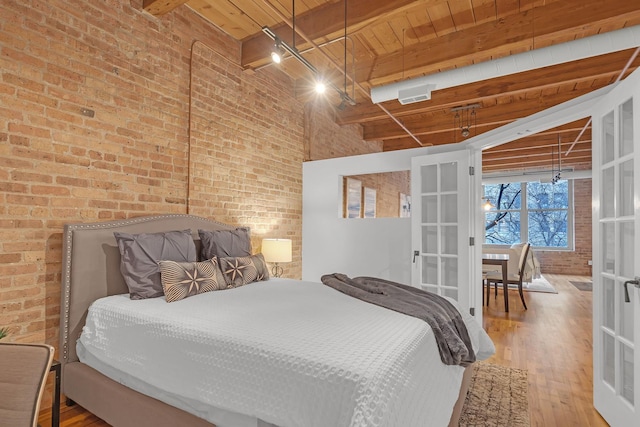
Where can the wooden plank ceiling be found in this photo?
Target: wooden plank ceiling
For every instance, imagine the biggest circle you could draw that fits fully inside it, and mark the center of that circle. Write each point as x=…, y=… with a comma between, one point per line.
x=389, y=41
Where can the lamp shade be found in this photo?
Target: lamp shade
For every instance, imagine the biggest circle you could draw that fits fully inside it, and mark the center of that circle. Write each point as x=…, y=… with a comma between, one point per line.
x=276, y=250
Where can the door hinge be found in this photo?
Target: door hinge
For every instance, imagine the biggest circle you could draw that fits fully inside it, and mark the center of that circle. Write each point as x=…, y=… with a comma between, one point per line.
x=472, y=241
x=472, y=170
x=472, y=311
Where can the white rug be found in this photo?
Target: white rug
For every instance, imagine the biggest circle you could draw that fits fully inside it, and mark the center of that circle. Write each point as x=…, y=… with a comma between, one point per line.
x=537, y=285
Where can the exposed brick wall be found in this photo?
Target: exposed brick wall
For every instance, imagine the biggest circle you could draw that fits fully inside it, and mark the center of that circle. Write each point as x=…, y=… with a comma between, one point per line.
x=94, y=125
x=324, y=139
x=574, y=262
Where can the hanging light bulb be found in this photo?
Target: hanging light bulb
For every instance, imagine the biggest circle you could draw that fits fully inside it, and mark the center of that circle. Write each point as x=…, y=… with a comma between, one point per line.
x=320, y=86
x=486, y=205
x=277, y=53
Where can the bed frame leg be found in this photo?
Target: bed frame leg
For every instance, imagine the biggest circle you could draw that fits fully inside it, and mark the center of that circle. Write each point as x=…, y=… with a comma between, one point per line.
x=69, y=402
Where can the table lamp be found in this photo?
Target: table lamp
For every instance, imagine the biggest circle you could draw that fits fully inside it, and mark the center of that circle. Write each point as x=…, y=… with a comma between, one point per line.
x=276, y=251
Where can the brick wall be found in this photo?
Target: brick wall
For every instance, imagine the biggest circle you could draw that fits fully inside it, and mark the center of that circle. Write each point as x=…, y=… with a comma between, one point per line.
x=324, y=139
x=574, y=262
x=95, y=124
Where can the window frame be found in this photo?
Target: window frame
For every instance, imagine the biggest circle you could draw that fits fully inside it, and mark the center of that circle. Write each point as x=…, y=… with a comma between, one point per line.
x=524, y=216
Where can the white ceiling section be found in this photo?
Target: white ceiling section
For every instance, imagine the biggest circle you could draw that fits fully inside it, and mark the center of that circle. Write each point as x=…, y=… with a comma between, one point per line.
x=600, y=44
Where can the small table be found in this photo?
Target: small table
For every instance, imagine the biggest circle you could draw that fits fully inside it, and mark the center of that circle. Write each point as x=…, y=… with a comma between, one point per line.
x=499, y=259
x=55, y=407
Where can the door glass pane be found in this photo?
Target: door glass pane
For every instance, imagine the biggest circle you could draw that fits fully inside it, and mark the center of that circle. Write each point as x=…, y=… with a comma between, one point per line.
x=627, y=373
x=609, y=303
x=608, y=246
x=450, y=272
x=449, y=208
x=433, y=289
x=430, y=209
x=626, y=128
x=609, y=350
x=430, y=270
x=607, y=138
x=449, y=174
x=429, y=178
x=626, y=249
x=451, y=293
x=450, y=240
x=625, y=198
x=608, y=193
x=430, y=239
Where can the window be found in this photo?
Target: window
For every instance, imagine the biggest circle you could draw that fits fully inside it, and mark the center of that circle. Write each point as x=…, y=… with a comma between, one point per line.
x=535, y=212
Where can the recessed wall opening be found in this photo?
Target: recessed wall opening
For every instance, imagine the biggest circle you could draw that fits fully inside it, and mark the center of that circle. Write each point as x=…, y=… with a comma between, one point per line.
x=377, y=195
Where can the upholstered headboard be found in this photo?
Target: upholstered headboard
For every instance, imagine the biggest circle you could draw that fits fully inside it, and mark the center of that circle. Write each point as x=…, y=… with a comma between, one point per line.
x=91, y=266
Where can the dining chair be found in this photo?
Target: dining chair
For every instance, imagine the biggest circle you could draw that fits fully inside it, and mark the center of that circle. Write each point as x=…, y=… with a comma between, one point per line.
x=515, y=272
x=23, y=375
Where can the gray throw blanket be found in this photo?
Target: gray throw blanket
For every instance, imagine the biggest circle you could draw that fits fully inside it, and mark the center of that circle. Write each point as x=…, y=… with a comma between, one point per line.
x=445, y=320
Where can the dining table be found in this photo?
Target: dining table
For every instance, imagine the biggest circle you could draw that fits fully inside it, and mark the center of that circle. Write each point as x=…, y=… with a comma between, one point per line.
x=501, y=260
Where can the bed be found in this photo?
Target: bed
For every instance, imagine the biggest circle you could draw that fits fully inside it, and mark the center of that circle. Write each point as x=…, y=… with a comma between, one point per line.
x=246, y=368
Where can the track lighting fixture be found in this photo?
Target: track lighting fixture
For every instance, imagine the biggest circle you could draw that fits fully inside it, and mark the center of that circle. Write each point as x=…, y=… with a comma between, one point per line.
x=320, y=86
x=294, y=52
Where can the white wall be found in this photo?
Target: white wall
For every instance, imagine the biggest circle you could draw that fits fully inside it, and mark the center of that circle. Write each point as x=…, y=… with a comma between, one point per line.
x=378, y=247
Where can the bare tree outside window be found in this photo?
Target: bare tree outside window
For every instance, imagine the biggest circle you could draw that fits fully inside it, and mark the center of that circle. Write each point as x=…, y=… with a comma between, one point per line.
x=530, y=211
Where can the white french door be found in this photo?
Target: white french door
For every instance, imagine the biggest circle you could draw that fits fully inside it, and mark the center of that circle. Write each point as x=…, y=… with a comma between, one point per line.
x=616, y=254
x=441, y=188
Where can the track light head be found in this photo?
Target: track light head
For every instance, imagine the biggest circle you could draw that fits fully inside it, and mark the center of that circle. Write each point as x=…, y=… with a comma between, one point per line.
x=320, y=87
x=277, y=53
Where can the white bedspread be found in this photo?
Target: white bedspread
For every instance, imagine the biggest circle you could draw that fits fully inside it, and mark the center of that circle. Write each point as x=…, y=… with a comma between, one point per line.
x=287, y=352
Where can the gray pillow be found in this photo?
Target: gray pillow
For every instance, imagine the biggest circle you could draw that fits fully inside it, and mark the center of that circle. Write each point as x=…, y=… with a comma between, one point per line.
x=225, y=243
x=139, y=256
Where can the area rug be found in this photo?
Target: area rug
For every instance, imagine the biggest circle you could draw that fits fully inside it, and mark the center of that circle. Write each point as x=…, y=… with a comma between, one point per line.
x=497, y=397
x=536, y=285
x=583, y=286
x=539, y=285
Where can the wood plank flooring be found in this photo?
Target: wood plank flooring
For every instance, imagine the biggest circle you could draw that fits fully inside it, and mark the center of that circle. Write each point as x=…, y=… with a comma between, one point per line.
x=552, y=340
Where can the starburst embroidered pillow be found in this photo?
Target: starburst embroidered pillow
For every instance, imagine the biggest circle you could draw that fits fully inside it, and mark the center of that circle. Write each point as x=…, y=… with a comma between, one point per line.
x=184, y=279
x=239, y=271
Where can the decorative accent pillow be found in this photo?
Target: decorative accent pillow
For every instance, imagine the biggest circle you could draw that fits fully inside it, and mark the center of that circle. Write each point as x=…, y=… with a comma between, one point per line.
x=139, y=256
x=239, y=271
x=225, y=243
x=184, y=279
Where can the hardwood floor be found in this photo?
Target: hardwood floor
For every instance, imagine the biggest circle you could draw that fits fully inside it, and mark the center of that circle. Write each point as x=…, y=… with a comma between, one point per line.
x=552, y=340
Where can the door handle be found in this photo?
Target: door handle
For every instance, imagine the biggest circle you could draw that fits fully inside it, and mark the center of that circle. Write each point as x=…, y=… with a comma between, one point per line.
x=415, y=254
x=635, y=282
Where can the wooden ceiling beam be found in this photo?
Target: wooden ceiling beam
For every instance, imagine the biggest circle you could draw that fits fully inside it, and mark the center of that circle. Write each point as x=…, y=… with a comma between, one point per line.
x=565, y=19
x=160, y=7
x=442, y=121
x=549, y=138
x=578, y=164
x=322, y=24
x=548, y=141
x=548, y=152
x=523, y=163
x=600, y=67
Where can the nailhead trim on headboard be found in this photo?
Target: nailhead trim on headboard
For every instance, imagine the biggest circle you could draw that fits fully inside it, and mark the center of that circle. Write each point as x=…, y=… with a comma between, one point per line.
x=68, y=241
